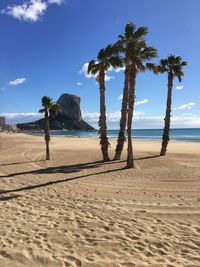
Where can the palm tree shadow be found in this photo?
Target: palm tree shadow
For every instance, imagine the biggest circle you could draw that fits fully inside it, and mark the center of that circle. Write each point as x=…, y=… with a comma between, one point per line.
x=149, y=157
x=22, y=162
x=6, y=198
x=31, y=187
x=63, y=169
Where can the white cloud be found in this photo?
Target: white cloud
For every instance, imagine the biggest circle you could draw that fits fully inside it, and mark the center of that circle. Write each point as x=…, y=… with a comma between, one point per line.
x=179, y=87
x=57, y=2
x=113, y=117
x=120, y=97
x=30, y=10
x=108, y=78
x=79, y=83
x=14, y=118
x=141, y=121
x=17, y=81
x=185, y=106
x=84, y=70
x=137, y=103
x=142, y=102
x=119, y=69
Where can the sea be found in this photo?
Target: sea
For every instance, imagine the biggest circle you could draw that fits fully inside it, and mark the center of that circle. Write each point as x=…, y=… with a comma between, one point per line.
x=180, y=134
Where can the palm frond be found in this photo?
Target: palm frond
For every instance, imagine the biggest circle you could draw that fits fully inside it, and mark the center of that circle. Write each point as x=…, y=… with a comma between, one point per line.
x=129, y=30
x=42, y=110
x=152, y=67
x=54, y=110
x=93, y=67
x=141, y=32
x=46, y=101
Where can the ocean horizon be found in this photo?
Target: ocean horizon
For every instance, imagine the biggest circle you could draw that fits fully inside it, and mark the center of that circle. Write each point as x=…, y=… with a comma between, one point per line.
x=176, y=134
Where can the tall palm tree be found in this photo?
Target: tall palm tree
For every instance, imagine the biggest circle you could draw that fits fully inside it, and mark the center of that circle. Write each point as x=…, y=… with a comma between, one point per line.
x=49, y=108
x=106, y=59
x=172, y=65
x=121, y=47
x=136, y=53
x=139, y=53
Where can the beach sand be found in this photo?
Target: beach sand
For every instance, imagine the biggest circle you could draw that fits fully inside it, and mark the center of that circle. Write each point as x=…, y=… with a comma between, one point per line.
x=77, y=211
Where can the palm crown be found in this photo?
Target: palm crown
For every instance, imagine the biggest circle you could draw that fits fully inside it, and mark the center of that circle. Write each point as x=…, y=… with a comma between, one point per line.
x=173, y=64
x=107, y=58
x=134, y=47
x=49, y=106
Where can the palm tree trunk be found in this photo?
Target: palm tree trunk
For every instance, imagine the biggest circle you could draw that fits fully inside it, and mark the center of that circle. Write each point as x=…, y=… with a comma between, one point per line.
x=165, y=138
x=102, y=118
x=47, y=136
x=121, y=135
x=131, y=100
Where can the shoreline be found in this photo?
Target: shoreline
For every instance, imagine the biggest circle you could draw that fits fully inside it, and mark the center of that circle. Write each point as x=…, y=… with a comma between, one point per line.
x=134, y=139
x=73, y=142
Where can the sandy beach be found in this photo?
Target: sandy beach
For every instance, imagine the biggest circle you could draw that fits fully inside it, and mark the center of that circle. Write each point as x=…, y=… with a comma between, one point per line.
x=77, y=211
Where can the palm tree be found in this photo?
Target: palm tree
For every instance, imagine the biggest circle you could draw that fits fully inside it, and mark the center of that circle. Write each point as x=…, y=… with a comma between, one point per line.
x=121, y=47
x=136, y=52
x=106, y=59
x=173, y=66
x=49, y=108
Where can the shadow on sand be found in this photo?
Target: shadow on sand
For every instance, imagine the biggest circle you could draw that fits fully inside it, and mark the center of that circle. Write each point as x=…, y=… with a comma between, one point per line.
x=149, y=157
x=23, y=162
x=62, y=169
x=31, y=187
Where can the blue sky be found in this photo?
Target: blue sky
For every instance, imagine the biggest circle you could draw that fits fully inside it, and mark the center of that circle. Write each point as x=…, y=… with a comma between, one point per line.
x=45, y=44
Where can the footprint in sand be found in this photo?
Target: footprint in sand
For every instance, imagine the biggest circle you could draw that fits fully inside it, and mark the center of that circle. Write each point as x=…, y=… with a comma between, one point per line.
x=73, y=260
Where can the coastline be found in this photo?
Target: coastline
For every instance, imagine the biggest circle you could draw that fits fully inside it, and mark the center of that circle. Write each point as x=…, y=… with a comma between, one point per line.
x=176, y=134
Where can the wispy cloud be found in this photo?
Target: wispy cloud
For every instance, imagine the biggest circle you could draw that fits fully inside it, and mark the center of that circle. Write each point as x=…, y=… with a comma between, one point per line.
x=17, y=81
x=111, y=117
x=108, y=78
x=79, y=83
x=14, y=118
x=119, y=69
x=142, y=121
x=120, y=97
x=141, y=102
x=57, y=2
x=137, y=103
x=31, y=10
x=179, y=87
x=84, y=71
x=185, y=106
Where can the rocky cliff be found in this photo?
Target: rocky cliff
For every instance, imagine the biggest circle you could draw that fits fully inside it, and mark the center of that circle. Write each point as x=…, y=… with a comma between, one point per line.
x=69, y=118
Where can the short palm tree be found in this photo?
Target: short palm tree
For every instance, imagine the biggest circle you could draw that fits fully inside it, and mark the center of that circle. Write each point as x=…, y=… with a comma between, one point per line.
x=52, y=109
x=172, y=65
x=106, y=59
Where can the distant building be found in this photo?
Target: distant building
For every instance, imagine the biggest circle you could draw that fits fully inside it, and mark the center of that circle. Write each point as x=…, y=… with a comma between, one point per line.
x=2, y=122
